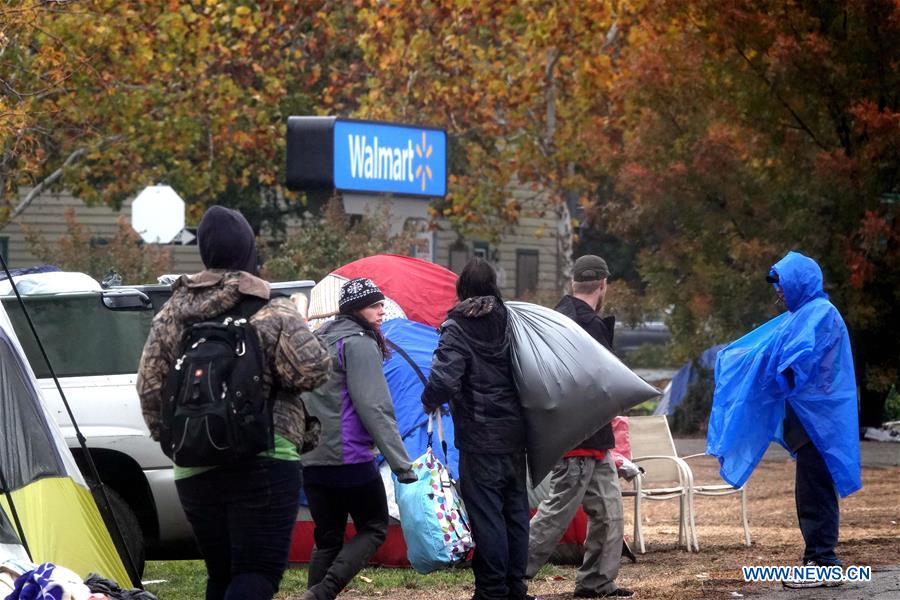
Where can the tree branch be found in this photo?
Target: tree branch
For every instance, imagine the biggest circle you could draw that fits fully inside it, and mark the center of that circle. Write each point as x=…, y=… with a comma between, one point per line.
x=784, y=103
x=53, y=178
x=553, y=56
x=47, y=182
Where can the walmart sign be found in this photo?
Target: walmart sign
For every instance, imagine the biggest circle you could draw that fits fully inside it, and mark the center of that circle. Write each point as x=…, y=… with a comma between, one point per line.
x=389, y=158
x=363, y=156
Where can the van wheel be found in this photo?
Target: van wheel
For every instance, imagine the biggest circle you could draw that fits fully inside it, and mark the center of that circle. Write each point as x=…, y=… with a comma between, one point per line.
x=131, y=532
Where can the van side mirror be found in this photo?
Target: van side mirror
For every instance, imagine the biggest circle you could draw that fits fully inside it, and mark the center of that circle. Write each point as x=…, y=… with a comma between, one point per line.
x=125, y=300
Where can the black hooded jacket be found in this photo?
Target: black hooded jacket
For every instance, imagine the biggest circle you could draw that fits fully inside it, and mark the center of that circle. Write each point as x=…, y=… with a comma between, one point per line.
x=602, y=330
x=472, y=371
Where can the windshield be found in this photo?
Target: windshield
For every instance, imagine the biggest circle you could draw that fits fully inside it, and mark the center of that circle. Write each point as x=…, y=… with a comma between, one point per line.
x=81, y=335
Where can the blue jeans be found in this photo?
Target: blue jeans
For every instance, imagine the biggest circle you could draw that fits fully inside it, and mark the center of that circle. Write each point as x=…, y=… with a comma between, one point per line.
x=243, y=516
x=493, y=489
x=817, y=507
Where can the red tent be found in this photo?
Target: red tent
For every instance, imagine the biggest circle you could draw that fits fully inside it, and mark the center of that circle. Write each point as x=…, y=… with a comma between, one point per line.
x=393, y=552
x=425, y=291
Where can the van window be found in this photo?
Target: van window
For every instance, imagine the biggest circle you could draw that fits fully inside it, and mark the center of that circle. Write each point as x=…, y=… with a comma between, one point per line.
x=81, y=335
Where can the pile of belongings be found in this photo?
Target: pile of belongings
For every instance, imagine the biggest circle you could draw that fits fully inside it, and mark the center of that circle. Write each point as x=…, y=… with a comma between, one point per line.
x=21, y=580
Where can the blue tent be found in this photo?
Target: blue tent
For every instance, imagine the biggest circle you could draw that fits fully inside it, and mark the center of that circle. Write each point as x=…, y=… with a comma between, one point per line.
x=406, y=371
x=683, y=379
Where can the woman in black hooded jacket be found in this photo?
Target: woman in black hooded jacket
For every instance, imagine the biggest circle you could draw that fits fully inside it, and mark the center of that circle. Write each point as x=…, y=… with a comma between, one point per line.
x=472, y=371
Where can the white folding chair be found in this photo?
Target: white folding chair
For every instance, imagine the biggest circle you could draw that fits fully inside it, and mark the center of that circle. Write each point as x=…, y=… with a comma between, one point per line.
x=720, y=489
x=665, y=477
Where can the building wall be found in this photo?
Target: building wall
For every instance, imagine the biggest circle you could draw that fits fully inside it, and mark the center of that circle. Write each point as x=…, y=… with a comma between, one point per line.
x=47, y=215
x=536, y=234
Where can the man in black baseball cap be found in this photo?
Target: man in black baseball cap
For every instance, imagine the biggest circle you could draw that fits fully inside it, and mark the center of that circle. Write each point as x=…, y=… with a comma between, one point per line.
x=587, y=474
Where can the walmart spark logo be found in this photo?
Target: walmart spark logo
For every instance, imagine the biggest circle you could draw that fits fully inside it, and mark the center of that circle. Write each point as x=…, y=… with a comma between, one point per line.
x=424, y=152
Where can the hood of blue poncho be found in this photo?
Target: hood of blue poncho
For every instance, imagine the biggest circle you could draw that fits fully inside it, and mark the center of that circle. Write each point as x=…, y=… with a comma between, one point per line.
x=801, y=279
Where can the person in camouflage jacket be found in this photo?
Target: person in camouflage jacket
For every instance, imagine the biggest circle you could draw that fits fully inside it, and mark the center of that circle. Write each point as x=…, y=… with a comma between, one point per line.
x=242, y=514
x=292, y=353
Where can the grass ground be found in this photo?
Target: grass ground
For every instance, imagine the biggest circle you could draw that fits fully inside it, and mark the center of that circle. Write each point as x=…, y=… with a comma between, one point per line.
x=869, y=536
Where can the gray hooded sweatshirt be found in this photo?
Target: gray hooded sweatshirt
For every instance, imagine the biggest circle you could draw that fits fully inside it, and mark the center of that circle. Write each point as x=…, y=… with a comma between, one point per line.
x=354, y=406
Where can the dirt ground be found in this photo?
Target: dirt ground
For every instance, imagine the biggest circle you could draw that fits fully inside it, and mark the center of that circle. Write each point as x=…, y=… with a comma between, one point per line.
x=870, y=535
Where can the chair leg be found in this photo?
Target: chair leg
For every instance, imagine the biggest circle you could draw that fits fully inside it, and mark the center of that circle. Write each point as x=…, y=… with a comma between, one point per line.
x=638, y=534
x=744, y=517
x=682, y=537
x=693, y=524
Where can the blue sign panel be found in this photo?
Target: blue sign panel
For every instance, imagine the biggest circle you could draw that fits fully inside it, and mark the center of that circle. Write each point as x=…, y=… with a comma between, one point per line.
x=375, y=157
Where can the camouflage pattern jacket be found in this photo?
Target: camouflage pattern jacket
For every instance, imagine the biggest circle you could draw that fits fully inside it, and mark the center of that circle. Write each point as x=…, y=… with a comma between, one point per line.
x=293, y=356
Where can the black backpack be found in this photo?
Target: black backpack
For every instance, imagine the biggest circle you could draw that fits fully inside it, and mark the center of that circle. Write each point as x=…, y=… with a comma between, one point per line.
x=214, y=411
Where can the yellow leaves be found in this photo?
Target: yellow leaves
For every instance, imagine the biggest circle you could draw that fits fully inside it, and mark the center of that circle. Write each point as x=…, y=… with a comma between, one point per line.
x=188, y=14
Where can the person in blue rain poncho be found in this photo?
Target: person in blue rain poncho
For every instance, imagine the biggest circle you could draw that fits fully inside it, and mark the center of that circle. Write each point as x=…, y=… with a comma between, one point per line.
x=792, y=381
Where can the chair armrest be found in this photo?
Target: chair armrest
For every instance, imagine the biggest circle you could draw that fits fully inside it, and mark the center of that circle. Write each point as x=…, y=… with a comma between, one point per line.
x=689, y=457
x=684, y=470
x=686, y=458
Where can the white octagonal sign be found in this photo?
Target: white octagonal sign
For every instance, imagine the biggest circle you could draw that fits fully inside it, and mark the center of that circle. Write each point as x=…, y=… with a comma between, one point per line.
x=157, y=214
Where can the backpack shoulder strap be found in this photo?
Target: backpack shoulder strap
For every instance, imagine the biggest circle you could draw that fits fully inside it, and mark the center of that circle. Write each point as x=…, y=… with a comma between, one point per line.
x=246, y=307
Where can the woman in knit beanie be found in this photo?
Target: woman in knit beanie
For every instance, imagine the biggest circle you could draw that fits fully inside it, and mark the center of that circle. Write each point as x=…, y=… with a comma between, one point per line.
x=357, y=414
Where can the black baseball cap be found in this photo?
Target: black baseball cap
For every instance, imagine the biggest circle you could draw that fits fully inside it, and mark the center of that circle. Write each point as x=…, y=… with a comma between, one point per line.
x=590, y=267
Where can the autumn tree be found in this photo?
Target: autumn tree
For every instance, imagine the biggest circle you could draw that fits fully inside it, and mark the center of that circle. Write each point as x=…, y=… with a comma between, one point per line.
x=195, y=95
x=79, y=249
x=33, y=69
x=323, y=242
x=523, y=89
x=753, y=128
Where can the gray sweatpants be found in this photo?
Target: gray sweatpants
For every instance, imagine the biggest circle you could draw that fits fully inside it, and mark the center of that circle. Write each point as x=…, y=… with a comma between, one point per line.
x=594, y=485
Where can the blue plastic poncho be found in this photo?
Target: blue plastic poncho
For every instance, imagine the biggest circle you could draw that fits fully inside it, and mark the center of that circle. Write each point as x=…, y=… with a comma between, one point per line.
x=811, y=340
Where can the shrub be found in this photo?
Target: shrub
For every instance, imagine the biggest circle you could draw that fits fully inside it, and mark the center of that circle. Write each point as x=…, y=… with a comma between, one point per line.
x=80, y=250
x=324, y=242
